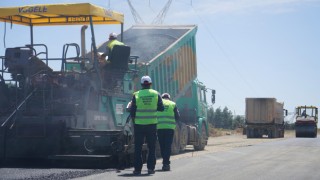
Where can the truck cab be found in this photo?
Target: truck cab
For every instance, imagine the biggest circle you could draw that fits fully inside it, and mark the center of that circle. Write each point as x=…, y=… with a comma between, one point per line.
x=193, y=107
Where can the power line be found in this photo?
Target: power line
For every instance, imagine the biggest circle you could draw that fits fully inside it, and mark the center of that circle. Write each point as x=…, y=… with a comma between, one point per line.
x=223, y=51
x=135, y=14
x=159, y=18
x=162, y=14
x=151, y=7
x=220, y=82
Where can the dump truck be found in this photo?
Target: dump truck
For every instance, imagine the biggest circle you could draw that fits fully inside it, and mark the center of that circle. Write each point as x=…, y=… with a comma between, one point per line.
x=167, y=53
x=264, y=116
x=306, y=124
x=78, y=112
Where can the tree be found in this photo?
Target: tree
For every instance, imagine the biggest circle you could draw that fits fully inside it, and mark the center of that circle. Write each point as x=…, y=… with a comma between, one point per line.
x=238, y=121
x=224, y=118
x=211, y=115
x=227, y=118
x=217, y=121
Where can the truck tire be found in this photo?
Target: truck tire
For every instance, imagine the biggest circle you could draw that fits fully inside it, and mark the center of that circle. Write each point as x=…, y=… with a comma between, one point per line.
x=249, y=133
x=281, y=134
x=276, y=133
x=255, y=133
x=202, y=139
x=183, y=137
x=175, y=147
x=270, y=134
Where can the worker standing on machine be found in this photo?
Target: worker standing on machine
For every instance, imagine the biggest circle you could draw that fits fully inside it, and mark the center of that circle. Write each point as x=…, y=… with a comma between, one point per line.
x=144, y=107
x=166, y=126
x=111, y=43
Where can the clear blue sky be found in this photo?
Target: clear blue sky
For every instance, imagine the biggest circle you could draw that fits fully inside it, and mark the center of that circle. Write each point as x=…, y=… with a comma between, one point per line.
x=245, y=48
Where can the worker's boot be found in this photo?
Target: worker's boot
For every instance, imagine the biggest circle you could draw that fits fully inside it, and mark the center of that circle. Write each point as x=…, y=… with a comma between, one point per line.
x=136, y=173
x=151, y=171
x=166, y=167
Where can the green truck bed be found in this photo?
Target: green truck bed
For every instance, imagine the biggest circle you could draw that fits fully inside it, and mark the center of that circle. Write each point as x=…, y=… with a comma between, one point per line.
x=166, y=53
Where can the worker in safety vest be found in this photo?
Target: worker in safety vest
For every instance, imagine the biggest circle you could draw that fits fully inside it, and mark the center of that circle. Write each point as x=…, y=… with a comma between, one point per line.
x=166, y=126
x=111, y=43
x=144, y=107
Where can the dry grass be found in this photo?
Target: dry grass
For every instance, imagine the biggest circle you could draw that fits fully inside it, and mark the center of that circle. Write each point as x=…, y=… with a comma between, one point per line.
x=216, y=132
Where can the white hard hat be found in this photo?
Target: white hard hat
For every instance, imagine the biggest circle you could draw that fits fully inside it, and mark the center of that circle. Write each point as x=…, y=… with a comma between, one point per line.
x=165, y=95
x=146, y=80
x=113, y=36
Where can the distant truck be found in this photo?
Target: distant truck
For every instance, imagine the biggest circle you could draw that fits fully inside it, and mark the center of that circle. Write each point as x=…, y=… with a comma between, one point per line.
x=306, y=121
x=264, y=116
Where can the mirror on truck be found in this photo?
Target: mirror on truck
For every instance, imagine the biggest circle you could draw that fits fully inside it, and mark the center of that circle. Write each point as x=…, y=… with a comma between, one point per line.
x=285, y=112
x=213, y=96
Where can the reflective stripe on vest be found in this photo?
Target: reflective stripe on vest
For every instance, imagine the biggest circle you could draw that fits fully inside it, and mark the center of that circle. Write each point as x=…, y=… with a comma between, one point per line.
x=166, y=118
x=113, y=43
x=147, y=103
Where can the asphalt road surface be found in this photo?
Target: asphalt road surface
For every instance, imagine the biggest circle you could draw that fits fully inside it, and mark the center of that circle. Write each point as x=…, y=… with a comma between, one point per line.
x=292, y=158
x=228, y=157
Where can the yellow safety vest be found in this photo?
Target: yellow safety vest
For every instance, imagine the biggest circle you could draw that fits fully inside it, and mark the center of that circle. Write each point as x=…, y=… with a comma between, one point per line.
x=147, y=103
x=113, y=43
x=166, y=118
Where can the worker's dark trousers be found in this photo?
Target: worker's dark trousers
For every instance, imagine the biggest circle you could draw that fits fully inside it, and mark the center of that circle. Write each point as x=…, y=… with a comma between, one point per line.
x=148, y=132
x=165, y=137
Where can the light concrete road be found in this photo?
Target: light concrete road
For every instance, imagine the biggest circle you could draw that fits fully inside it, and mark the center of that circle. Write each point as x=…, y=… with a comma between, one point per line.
x=289, y=158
